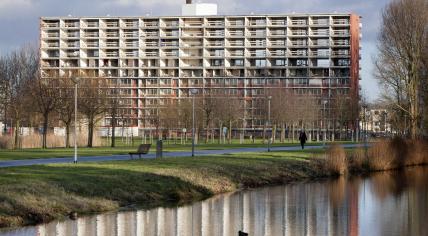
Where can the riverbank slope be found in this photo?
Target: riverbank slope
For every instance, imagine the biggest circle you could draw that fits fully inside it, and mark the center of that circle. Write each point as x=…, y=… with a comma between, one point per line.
x=36, y=194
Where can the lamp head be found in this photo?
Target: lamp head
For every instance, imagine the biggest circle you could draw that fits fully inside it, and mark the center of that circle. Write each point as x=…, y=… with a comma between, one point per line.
x=75, y=79
x=193, y=91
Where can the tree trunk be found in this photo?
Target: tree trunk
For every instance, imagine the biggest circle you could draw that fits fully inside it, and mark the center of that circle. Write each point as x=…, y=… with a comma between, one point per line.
x=282, y=133
x=90, y=133
x=230, y=132
x=113, y=132
x=45, y=130
x=16, y=144
x=67, y=135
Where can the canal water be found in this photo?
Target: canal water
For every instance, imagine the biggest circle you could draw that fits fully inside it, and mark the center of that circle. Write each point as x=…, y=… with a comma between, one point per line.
x=389, y=203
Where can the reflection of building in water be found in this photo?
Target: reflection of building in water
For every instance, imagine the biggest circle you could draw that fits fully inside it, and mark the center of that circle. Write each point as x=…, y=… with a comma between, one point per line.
x=293, y=210
x=382, y=206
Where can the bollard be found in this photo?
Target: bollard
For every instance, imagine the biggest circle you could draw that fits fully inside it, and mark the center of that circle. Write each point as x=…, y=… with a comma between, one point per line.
x=159, y=149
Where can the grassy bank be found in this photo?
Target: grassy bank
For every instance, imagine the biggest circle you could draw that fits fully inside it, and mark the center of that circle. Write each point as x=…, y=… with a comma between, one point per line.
x=122, y=149
x=35, y=194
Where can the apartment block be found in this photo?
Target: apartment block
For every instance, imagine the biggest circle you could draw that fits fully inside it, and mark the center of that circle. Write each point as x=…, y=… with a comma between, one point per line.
x=160, y=58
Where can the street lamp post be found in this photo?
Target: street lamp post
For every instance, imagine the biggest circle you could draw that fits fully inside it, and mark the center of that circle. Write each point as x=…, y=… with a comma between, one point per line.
x=324, y=123
x=76, y=81
x=193, y=92
x=269, y=136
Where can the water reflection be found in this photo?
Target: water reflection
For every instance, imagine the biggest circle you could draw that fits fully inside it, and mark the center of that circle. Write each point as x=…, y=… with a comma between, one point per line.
x=394, y=203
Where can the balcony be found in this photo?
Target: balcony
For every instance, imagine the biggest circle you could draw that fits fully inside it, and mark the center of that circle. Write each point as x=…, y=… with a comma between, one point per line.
x=299, y=22
x=277, y=53
x=320, y=53
x=170, y=34
x=236, y=54
x=298, y=44
x=130, y=35
x=51, y=25
x=299, y=33
x=298, y=53
x=340, y=43
x=320, y=22
x=72, y=45
x=340, y=22
x=92, y=25
x=191, y=44
x=150, y=44
x=278, y=22
x=341, y=33
x=72, y=35
x=257, y=34
x=257, y=23
x=71, y=24
x=130, y=24
x=169, y=44
x=239, y=23
x=112, y=44
x=72, y=54
x=91, y=35
x=112, y=34
x=215, y=34
x=277, y=44
x=150, y=34
x=131, y=44
x=52, y=35
x=216, y=23
x=150, y=54
x=214, y=44
x=170, y=54
x=112, y=24
x=324, y=32
x=150, y=24
x=52, y=45
x=257, y=44
x=193, y=24
x=112, y=54
x=131, y=54
x=236, y=33
x=236, y=44
x=277, y=33
x=192, y=34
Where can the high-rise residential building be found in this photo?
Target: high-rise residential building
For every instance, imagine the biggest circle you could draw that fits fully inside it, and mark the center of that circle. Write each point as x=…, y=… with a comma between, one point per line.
x=161, y=58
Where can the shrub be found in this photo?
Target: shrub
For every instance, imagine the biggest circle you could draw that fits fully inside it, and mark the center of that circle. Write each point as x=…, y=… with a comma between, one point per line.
x=335, y=160
x=357, y=160
x=387, y=154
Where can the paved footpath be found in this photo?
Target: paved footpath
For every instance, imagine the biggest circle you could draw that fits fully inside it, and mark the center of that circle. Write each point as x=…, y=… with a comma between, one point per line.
x=30, y=162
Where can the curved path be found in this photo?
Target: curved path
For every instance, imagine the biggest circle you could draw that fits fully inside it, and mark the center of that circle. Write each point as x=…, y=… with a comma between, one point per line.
x=30, y=162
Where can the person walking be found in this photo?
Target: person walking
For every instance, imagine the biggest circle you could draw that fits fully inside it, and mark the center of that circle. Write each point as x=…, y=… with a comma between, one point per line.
x=303, y=138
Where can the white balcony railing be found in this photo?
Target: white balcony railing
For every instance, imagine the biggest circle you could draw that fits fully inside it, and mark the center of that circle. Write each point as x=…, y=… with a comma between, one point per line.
x=112, y=24
x=150, y=24
x=51, y=25
x=72, y=25
x=299, y=22
x=278, y=22
x=150, y=44
x=341, y=22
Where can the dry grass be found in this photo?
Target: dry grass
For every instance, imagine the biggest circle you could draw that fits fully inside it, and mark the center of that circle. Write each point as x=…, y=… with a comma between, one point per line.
x=332, y=162
x=53, y=141
x=357, y=160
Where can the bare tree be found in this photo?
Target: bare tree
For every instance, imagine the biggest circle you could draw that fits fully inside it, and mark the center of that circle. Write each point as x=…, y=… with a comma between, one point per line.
x=65, y=105
x=44, y=92
x=17, y=70
x=92, y=102
x=400, y=64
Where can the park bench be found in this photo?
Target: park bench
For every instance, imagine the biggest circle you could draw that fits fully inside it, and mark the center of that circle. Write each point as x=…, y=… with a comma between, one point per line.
x=142, y=149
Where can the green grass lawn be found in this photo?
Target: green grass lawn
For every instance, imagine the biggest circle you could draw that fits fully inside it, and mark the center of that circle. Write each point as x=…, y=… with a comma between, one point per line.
x=37, y=194
x=122, y=148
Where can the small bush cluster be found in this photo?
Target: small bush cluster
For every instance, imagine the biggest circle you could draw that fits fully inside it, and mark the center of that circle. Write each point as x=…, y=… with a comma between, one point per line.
x=386, y=154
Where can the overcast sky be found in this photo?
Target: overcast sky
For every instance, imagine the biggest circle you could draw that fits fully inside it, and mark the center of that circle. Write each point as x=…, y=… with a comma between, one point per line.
x=19, y=19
